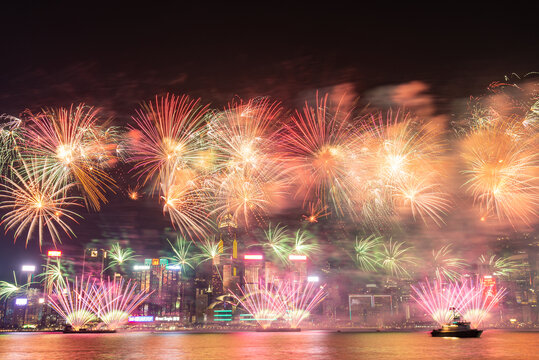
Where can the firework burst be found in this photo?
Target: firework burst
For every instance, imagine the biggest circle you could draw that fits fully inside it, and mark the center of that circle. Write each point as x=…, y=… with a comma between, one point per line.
x=300, y=300
x=10, y=138
x=395, y=258
x=501, y=166
x=182, y=254
x=114, y=301
x=404, y=162
x=262, y=303
x=168, y=135
x=185, y=201
x=366, y=252
x=71, y=301
x=8, y=290
x=119, y=256
x=499, y=266
x=319, y=146
x=69, y=146
x=445, y=265
x=35, y=201
x=277, y=241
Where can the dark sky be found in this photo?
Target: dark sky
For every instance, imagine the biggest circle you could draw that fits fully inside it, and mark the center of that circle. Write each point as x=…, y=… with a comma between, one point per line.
x=116, y=55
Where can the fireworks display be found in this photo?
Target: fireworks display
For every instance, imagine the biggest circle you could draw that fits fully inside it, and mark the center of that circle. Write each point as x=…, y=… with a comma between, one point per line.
x=251, y=159
x=114, y=301
x=84, y=300
x=71, y=301
x=466, y=297
x=291, y=301
x=37, y=202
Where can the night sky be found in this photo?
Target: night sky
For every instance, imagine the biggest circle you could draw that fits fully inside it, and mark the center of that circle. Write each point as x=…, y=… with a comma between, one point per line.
x=115, y=56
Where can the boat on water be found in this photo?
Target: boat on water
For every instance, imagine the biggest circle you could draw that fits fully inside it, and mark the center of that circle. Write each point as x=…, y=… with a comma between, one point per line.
x=457, y=328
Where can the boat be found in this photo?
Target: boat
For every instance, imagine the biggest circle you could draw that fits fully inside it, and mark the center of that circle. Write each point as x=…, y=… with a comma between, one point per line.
x=457, y=328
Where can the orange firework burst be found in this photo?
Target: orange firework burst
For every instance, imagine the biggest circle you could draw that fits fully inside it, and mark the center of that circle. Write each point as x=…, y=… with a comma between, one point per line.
x=170, y=135
x=320, y=146
x=67, y=145
x=185, y=201
x=501, y=166
x=248, y=176
x=35, y=200
x=405, y=165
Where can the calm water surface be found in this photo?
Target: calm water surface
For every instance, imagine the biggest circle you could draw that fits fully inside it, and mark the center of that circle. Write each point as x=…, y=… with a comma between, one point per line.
x=493, y=344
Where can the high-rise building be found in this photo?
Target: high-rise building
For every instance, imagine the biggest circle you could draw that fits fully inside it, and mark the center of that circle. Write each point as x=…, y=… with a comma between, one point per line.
x=163, y=281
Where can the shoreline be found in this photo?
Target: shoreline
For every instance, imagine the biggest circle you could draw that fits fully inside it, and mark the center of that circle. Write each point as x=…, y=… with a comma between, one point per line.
x=231, y=331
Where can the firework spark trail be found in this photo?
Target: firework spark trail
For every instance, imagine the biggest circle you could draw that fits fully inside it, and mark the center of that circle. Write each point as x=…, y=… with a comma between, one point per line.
x=262, y=302
x=182, y=254
x=168, y=136
x=395, y=258
x=502, y=172
x=63, y=143
x=483, y=300
x=114, y=301
x=300, y=300
x=36, y=200
x=439, y=299
x=404, y=164
x=277, y=242
x=445, y=265
x=318, y=145
x=248, y=178
x=72, y=303
x=186, y=202
x=10, y=138
x=366, y=252
x=499, y=266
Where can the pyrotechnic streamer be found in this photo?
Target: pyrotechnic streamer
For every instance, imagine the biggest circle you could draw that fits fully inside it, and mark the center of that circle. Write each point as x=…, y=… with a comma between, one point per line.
x=445, y=265
x=73, y=302
x=320, y=146
x=366, y=252
x=118, y=255
x=277, y=242
x=304, y=243
x=186, y=202
x=211, y=250
x=69, y=146
x=249, y=194
x=243, y=134
x=53, y=273
x=168, y=136
x=499, y=266
x=114, y=301
x=405, y=166
x=316, y=211
x=483, y=299
x=501, y=167
x=35, y=200
x=395, y=258
x=10, y=138
x=264, y=304
x=300, y=300
x=439, y=300
x=8, y=290
x=182, y=254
